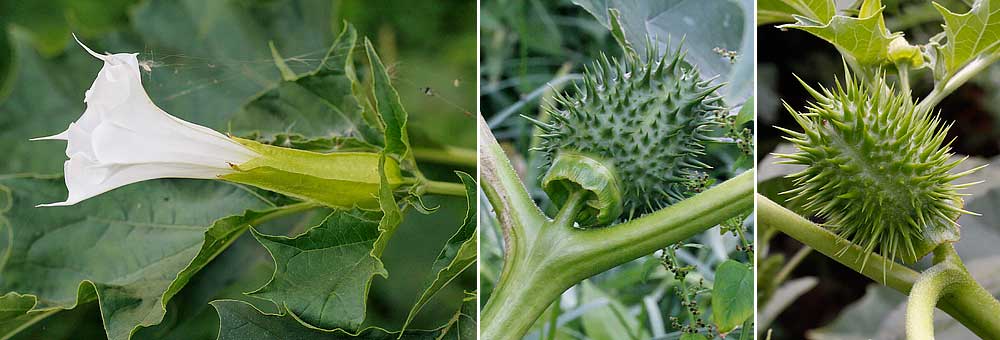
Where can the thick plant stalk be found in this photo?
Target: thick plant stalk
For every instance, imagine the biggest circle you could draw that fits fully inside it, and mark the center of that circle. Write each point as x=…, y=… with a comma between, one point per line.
x=544, y=257
x=933, y=284
x=971, y=304
x=948, y=277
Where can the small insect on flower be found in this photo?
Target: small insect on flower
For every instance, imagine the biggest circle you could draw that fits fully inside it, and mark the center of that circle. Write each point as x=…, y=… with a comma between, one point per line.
x=147, y=65
x=876, y=168
x=123, y=137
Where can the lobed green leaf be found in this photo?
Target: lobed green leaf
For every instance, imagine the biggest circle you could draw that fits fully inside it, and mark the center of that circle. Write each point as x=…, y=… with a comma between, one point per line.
x=970, y=34
x=865, y=38
x=775, y=11
x=131, y=249
x=319, y=104
x=322, y=277
x=241, y=321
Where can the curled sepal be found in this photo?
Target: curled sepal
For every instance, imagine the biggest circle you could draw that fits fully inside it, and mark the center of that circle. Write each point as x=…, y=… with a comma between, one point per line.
x=573, y=172
x=877, y=168
x=901, y=52
x=340, y=179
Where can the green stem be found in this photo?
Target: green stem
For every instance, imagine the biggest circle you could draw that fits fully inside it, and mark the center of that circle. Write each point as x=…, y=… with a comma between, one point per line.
x=34, y=319
x=904, y=79
x=611, y=246
x=574, y=203
x=746, y=244
x=448, y=155
x=285, y=210
x=545, y=259
x=948, y=85
x=746, y=329
x=515, y=210
x=794, y=262
x=878, y=268
x=931, y=286
x=972, y=306
x=554, y=319
x=682, y=285
x=445, y=188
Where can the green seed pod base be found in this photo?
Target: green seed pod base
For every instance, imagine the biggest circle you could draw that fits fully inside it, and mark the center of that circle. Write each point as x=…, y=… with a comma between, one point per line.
x=571, y=172
x=876, y=169
x=648, y=119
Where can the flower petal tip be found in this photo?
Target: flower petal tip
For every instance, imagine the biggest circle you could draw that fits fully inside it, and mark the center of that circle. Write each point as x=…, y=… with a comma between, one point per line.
x=60, y=136
x=95, y=54
x=56, y=204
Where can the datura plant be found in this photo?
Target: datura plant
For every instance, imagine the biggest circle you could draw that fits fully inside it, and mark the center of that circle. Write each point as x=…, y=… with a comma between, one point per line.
x=876, y=166
x=123, y=138
x=624, y=163
x=143, y=241
x=627, y=114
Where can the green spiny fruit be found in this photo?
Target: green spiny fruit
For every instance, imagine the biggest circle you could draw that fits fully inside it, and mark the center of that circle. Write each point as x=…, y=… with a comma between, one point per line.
x=877, y=169
x=631, y=135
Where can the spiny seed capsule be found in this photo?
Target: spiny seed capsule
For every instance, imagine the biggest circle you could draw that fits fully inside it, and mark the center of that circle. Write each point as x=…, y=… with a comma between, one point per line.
x=877, y=169
x=631, y=136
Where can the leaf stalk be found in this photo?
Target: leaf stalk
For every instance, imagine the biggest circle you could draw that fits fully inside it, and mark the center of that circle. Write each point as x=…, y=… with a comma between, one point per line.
x=448, y=155
x=945, y=87
x=444, y=188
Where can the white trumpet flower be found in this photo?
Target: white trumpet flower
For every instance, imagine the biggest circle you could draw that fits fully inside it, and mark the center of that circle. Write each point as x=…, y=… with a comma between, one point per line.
x=123, y=138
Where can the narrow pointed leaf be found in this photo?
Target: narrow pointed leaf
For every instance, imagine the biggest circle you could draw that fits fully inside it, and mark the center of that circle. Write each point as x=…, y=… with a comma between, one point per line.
x=459, y=252
x=389, y=107
x=611, y=321
x=391, y=215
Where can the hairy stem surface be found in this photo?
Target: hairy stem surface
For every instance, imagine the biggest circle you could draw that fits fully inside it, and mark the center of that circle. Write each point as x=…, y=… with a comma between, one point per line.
x=933, y=284
x=559, y=255
x=971, y=305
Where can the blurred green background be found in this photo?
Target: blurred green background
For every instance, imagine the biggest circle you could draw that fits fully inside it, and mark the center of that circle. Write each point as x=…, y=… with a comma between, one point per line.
x=202, y=61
